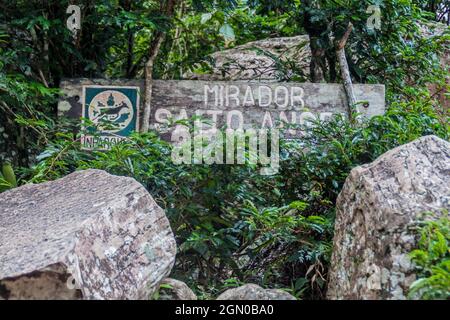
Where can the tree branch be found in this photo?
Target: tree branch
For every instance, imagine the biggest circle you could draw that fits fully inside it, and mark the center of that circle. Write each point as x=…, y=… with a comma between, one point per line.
x=155, y=45
x=345, y=72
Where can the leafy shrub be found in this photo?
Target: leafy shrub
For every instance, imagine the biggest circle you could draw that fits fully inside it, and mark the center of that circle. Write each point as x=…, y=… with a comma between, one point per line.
x=232, y=223
x=432, y=260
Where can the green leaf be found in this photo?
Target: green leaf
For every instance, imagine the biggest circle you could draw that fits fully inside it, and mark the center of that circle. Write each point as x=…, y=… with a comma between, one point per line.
x=8, y=174
x=299, y=205
x=227, y=32
x=206, y=17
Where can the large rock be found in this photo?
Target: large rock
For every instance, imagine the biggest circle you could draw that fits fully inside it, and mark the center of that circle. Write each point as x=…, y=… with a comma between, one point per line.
x=254, y=292
x=376, y=215
x=88, y=235
x=268, y=59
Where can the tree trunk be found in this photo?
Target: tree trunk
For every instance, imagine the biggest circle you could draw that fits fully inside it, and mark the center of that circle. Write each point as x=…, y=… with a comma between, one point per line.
x=130, y=54
x=155, y=45
x=318, y=64
x=345, y=72
x=154, y=49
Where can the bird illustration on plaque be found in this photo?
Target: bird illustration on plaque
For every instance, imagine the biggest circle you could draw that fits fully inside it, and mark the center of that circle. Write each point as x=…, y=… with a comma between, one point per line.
x=110, y=114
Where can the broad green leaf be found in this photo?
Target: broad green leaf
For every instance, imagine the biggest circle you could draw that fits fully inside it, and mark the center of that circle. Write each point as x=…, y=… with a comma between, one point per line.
x=227, y=32
x=206, y=17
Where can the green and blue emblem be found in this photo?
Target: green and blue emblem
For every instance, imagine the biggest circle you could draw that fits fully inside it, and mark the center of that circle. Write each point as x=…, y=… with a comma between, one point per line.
x=110, y=113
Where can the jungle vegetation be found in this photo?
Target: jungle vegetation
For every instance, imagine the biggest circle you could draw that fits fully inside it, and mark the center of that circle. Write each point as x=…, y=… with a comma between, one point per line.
x=232, y=225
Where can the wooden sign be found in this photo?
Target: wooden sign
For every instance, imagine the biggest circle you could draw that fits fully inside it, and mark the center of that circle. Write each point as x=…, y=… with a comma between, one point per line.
x=257, y=105
x=231, y=104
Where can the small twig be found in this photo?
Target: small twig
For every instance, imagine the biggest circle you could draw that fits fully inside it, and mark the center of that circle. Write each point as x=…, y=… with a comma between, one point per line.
x=41, y=74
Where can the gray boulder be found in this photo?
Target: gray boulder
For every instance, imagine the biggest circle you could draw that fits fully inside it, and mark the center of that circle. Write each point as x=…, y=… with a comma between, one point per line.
x=268, y=59
x=254, y=292
x=376, y=219
x=89, y=235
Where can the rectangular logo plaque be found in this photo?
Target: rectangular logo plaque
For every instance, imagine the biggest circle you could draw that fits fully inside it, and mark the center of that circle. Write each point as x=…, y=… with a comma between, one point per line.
x=110, y=114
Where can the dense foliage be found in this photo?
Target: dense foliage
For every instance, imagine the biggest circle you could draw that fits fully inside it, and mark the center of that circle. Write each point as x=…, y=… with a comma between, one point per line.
x=232, y=225
x=231, y=222
x=432, y=259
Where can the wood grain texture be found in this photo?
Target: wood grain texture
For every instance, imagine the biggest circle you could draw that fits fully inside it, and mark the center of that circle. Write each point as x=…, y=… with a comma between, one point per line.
x=187, y=98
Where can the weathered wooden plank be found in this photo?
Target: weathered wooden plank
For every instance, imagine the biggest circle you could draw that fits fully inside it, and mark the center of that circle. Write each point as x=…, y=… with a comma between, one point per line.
x=260, y=104
x=235, y=104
